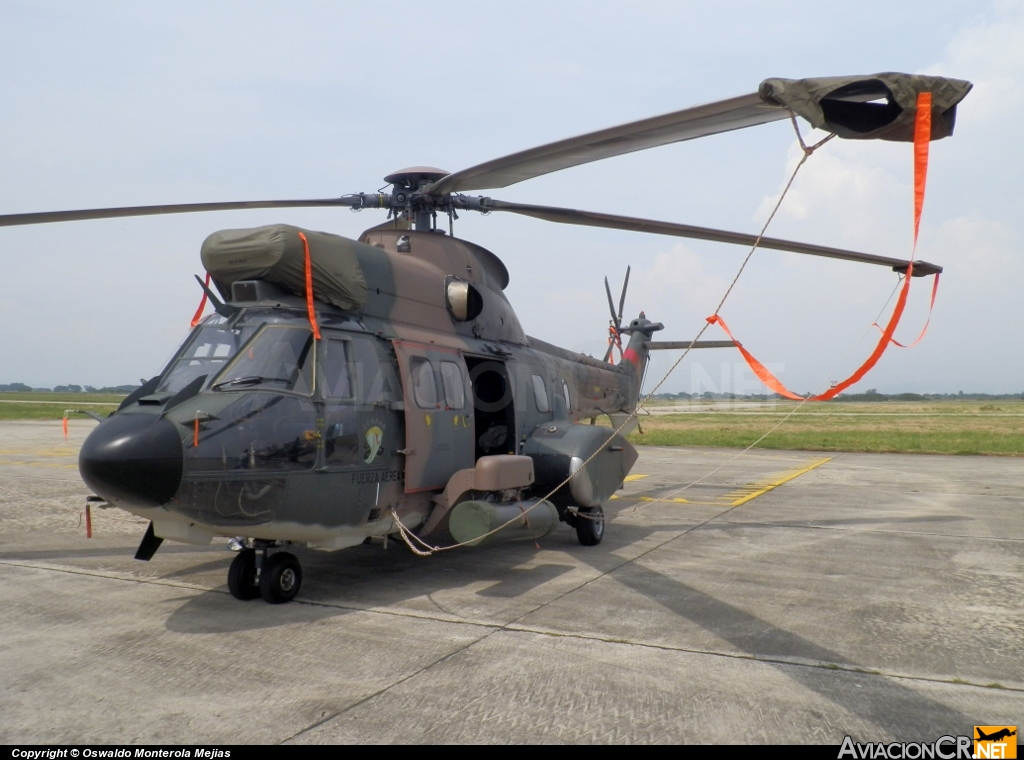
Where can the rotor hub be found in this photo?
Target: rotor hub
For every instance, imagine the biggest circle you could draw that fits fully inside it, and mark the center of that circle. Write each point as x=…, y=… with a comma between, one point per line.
x=415, y=176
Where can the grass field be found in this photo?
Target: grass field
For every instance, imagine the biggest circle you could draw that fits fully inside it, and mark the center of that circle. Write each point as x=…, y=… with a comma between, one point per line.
x=947, y=427
x=941, y=427
x=51, y=406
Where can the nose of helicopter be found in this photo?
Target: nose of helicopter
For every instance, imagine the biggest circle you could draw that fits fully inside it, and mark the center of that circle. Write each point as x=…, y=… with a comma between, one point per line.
x=133, y=458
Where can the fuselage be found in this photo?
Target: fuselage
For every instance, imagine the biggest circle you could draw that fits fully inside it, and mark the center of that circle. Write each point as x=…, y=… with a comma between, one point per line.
x=257, y=429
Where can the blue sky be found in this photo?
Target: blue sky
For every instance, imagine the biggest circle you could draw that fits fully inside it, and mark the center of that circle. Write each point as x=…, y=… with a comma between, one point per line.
x=113, y=103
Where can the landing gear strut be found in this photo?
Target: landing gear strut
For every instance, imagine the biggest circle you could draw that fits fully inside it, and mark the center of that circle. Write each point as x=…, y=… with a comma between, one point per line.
x=256, y=572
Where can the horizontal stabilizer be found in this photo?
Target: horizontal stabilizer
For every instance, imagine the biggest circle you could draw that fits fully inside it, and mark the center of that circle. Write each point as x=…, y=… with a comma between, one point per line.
x=682, y=345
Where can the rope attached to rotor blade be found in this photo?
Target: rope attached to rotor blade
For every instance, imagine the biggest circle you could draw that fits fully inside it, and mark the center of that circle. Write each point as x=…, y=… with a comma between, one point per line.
x=922, y=137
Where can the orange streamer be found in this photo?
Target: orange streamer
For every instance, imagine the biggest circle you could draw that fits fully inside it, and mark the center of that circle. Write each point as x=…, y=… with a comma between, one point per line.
x=309, y=289
x=65, y=427
x=195, y=434
x=922, y=136
x=931, y=307
x=202, y=304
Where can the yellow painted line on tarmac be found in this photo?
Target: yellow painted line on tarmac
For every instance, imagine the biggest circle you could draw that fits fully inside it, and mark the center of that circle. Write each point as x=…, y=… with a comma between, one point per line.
x=741, y=495
x=760, y=487
x=61, y=452
x=631, y=478
x=19, y=463
x=654, y=498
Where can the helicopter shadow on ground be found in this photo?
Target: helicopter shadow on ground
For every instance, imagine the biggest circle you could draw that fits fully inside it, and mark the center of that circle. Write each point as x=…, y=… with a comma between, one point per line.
x=883, y=523
x=368, y=577
x=116, y=551
x=755, y=637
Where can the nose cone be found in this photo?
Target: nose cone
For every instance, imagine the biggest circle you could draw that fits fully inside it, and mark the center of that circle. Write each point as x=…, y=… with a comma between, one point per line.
x=133, y=458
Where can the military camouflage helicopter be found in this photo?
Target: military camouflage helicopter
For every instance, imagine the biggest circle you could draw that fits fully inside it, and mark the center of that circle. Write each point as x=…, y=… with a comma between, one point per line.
x=348, y=389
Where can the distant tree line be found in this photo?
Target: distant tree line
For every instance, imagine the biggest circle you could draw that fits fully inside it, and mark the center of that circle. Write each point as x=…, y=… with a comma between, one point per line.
x=22, y=388
x=869, y=395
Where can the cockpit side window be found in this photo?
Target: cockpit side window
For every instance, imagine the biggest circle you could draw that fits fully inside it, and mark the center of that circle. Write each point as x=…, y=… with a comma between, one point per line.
x=336, y=368
x=375, y=376
x=280, y=357
x=209, y=348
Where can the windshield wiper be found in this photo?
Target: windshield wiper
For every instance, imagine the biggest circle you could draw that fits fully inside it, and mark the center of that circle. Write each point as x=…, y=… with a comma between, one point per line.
x=250, y=380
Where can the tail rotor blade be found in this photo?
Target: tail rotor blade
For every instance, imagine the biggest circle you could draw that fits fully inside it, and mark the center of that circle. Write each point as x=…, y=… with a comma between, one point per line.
x=611, y=303
x=622, y=298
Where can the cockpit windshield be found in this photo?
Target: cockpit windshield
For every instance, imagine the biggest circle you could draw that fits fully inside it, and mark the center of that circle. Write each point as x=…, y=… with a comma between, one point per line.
x=280, y=357
x=210, y=348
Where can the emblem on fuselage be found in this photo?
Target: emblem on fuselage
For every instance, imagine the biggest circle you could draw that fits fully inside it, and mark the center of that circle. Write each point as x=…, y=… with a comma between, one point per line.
x=373, y=440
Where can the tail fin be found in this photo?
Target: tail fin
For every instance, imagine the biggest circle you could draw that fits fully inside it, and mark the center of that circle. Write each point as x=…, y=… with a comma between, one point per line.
x=635, y=357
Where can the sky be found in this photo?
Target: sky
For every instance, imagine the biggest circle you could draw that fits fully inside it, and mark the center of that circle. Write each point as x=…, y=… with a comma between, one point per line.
x=126, y=103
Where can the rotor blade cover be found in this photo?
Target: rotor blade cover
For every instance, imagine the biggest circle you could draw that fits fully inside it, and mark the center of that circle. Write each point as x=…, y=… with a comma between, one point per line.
x=877, y=107
x=275, y=253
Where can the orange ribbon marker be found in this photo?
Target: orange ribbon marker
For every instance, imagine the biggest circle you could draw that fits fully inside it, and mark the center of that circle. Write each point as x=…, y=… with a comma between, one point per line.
x=65, y=422
x=195, y=433
x=922, y=136
x=202, y=304
x=309, y=289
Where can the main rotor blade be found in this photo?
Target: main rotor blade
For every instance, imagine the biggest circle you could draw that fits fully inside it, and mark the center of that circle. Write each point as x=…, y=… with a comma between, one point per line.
x=699, y=121
x=612, y=221
x=361, y=200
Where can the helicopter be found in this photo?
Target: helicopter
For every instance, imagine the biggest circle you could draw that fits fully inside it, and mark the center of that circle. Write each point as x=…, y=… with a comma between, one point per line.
x=345, y=391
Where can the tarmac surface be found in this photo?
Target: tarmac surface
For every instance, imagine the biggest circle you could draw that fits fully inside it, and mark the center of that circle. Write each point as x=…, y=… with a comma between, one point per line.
x=789, y=597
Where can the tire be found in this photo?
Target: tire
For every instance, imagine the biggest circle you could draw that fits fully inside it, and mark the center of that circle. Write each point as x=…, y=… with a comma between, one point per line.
x=242, y=576
x=590, y=525
x=280, y=578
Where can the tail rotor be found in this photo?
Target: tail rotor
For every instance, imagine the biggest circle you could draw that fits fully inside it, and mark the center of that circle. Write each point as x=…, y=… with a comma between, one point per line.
x=615, y=325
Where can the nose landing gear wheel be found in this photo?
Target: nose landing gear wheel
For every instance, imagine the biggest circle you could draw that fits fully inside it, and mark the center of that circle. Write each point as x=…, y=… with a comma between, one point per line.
x=242, y=581
x=590, y=525
x=280, y=578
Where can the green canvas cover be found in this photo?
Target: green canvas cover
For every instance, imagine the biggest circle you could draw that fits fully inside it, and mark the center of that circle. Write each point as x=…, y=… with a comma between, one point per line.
x=876, y=107
x=276, y=254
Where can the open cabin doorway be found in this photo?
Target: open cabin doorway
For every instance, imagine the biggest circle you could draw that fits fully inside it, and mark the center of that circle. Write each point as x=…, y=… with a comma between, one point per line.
x=493, y=406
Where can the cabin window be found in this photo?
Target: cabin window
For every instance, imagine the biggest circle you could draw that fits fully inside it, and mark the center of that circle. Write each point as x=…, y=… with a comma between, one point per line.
x=280, y=357
x=336, y=369
x=540, y=393
x=565, y=392
x=424, y=389
x=454, y=389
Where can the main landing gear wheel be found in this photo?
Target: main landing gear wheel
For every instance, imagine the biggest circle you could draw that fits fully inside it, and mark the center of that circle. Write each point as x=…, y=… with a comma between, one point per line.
x=242, y=581
x=280, y=578
x=590, y=525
